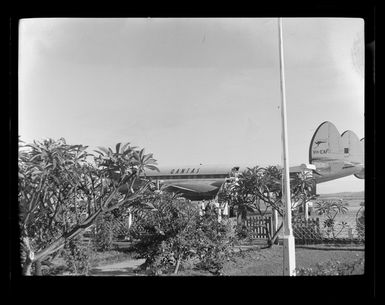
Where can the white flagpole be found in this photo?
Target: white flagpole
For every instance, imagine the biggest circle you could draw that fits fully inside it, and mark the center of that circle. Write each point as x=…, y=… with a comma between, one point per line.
x=288, y=238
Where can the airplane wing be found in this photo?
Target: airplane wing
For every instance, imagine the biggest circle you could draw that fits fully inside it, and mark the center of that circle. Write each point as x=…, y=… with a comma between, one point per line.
x=179, y=188
x=196, y=186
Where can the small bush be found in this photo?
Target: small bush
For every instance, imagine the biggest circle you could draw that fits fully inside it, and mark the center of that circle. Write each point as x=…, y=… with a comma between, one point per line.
x=214, y=244
x=76, y=256
x=165, y=232
x=333, y=268
x=171, y=232
x=242, y=233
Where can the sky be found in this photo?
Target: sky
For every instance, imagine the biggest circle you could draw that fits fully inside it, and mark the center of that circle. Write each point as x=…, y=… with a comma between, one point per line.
x=192, y=90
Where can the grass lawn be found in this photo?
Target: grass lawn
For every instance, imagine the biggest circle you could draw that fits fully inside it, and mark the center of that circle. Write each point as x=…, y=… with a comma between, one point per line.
x=251, y=262
x=262, y=262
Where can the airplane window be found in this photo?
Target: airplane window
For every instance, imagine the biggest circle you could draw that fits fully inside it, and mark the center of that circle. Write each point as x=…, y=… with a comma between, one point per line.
x=177, y=171
x=182, y=171
x=172, y=171
x=192, y=170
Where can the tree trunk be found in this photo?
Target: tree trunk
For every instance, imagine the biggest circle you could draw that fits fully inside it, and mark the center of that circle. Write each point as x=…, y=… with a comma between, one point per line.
x=275, y=237
x=57, y=255
x=177, y=264
x=240, y=217
x=59, y=243
x=27, y=266
x=38, y=267
x=268, y=233
x=29, y=256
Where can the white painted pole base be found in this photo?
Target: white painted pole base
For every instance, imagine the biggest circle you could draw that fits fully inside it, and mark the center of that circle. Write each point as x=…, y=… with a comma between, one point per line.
x=275, y=221
x=129, y=220
x=288, y=255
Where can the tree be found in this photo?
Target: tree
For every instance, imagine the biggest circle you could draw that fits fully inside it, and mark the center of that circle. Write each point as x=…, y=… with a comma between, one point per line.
x=61, y=193
x=260, y=189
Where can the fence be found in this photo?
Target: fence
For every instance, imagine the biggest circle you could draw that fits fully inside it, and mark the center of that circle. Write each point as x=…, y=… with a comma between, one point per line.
x=314, y=230
x=306, y=231
x=86, y=238
x=259, y=227
x=317, y=230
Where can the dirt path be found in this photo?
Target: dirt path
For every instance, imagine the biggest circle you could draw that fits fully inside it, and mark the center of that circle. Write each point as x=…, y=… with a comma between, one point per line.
x=125, y=268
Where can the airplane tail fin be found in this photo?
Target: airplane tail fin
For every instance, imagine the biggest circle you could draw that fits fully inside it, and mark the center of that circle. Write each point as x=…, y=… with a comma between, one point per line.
x=326, y=144
x=361, y=174
x=352, y=147
x=332, y=152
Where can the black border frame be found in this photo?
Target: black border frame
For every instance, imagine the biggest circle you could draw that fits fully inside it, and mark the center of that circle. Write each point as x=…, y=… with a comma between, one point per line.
x=300, y=288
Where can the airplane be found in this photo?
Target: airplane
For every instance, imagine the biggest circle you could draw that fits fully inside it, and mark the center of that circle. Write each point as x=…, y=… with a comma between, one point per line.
x=331, y=156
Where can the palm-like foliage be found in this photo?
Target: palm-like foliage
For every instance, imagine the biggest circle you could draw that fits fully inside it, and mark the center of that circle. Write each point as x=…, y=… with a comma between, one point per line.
x=331, y=208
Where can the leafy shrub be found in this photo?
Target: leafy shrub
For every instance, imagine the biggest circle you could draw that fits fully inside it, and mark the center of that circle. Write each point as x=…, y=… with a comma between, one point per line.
x=164, y=231
x=333, y=268
x=110, y=227
x=241, y=233
x=171, y=231
x=77, y=256
x=214, y=243
x=104, y=234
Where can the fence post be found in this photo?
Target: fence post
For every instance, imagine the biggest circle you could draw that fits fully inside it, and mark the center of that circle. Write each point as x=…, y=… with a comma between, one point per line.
x=306, y=211
x=275, y=221
x=269, y=226
x=225, y=209
x=350, y=233
x=219, y=214
x=129, y=219
x=318, y=227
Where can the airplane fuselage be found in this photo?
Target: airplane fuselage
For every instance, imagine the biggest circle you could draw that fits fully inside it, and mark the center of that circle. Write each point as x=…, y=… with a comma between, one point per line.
x=203, y=182
x=193, y=182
